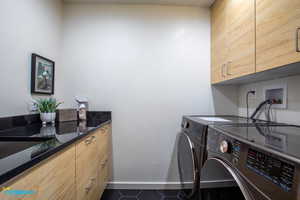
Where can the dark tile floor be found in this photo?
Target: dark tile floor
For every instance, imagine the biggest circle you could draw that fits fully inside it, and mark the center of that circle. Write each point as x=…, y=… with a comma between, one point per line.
x=141, y=195
x=207, y=194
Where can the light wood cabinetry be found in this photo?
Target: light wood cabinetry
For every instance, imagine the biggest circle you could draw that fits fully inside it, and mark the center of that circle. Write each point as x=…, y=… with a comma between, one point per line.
x=105, y=157
x=219, y=49
x=233, y=39
x=80, y=172
x=92, y=163
x=86, y=167
x=277, y=23
x=29, y=181
x=250, y=36
x=54, y=179
x=57, y=177
x=241, y=38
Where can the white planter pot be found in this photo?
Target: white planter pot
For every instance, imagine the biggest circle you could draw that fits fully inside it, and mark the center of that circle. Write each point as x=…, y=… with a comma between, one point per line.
x=48, y=117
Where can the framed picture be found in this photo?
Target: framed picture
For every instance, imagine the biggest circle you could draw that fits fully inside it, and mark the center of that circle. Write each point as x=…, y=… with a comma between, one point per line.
x=42, y=75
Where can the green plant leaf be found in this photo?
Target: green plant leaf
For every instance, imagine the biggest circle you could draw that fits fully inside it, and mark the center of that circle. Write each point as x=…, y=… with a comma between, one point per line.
x=48, y=105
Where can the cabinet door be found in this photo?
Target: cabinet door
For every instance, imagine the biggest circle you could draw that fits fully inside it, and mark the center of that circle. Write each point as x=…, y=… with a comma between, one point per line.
x=54, y=179
x=276, y=26
x=104, y=170
x=57, y=178
x=218, y=38
x=109, y=153
x=241, y=38
x=103, y=175
x=27, y=182
x=87, y=163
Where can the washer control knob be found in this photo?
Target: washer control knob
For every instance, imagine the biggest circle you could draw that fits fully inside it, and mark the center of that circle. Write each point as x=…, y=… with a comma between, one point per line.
x=224, y=146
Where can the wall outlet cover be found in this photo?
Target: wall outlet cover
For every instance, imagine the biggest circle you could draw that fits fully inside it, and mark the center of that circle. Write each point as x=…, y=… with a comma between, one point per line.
x=278, y=93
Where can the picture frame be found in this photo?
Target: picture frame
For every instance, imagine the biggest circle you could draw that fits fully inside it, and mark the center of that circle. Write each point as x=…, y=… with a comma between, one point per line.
x=42, y=75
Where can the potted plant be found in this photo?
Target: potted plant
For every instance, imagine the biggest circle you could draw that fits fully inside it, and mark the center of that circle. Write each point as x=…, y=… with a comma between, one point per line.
x=47, y=109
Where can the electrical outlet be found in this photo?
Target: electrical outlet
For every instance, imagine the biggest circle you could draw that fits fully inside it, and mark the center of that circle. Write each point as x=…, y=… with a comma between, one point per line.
x=252, y=96
x=32, y=107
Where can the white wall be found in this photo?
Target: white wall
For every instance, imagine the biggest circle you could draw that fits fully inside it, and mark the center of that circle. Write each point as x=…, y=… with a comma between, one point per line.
x=27, y=26
x=289, y=115
x=149, y=65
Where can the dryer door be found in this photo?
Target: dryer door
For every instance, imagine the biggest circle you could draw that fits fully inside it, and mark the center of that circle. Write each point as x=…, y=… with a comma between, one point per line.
x=188, y=166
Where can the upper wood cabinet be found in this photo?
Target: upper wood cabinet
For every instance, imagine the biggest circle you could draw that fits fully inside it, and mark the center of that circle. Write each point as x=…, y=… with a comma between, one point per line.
x=233, y=39
x=277, y=33
x=241, y=38
x=218, y=41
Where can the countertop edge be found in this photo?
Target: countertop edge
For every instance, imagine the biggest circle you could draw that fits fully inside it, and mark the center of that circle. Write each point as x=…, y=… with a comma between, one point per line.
x=10, y=176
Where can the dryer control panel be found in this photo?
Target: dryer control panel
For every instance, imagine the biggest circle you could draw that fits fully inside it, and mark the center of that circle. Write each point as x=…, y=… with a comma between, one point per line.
x=279, y=172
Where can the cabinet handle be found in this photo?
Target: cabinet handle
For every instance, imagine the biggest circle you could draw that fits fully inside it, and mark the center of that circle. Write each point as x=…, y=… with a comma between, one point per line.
x=89, y=187
x=104, y=163
x=105, y=130
x=89, y=140
x=227, y=68
x=297, y=39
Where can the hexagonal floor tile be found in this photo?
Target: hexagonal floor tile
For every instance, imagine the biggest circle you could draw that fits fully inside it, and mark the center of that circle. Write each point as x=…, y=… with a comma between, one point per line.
x=111, y=195
x=170, y=198
x=169, y=193
x=149, y=195
x=128, y=198
x=130, y=193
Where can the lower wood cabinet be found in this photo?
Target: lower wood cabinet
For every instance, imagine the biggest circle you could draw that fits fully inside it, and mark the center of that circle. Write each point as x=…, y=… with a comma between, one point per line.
x=80, y=172
x=54, y=179
x=92, y=161
x=57, y=177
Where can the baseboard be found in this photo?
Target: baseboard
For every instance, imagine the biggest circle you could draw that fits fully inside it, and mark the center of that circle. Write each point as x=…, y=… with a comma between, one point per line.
x=144, y=185
x=167, y=185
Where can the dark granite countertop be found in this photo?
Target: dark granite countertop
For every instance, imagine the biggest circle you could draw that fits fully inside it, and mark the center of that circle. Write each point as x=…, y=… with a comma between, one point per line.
x=26, y=144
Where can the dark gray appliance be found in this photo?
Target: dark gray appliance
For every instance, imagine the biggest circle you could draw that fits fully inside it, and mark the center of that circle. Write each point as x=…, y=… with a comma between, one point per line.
x=192, y=154
x=263, y=160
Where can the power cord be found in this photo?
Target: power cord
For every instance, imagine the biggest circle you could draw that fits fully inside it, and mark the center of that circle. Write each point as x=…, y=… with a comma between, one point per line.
x=247, y=100
x=269, y=118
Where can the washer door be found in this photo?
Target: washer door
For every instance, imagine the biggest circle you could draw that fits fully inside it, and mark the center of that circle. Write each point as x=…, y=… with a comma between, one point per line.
x=248, y=191
x=188, y=166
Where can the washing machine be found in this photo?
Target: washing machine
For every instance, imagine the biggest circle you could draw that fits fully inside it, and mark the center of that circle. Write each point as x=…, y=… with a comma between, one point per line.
x=196, y=174
x=264, y=161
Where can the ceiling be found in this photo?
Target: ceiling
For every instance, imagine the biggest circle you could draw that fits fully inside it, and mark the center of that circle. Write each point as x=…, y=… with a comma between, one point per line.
x=202, y=3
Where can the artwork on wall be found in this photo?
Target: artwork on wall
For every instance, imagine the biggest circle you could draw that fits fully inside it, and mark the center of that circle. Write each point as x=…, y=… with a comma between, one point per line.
x=42, y=75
